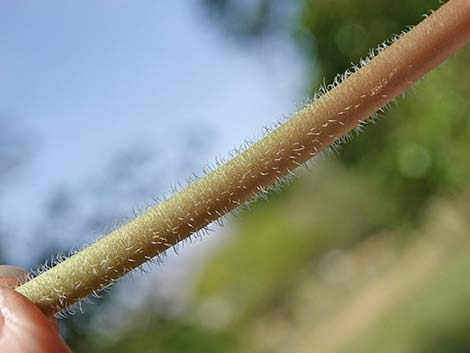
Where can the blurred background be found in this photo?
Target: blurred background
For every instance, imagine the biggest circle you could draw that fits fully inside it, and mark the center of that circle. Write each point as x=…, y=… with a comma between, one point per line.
x=105, y=105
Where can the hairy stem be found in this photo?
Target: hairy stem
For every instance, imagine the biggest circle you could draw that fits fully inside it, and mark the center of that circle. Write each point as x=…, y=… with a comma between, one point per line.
x=311, y=130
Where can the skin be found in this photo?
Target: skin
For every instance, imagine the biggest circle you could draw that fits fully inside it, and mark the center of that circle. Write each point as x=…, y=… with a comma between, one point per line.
x=309, y=132
x=23, y=327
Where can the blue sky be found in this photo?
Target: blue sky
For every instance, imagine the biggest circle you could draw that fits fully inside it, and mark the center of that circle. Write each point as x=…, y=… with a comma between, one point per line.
x=88, y=78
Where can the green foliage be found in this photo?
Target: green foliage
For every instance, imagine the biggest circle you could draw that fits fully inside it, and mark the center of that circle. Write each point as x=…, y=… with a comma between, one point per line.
x=416, y=150
x=278, y=238
x=344, y=31
x=169, y=337
x=432, y=315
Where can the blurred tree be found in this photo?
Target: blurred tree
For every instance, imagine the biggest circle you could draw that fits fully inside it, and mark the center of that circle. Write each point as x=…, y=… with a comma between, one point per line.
x=248, y=21
x=15, y=152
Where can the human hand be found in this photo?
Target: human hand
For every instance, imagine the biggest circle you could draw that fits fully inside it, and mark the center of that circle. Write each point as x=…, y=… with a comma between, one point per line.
x=23, y=327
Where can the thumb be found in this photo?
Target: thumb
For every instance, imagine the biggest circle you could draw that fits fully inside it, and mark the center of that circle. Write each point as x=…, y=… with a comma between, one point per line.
x=23, y=327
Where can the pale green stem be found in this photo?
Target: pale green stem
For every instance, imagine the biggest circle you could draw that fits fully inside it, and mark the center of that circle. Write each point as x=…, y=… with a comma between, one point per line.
x=305, y=135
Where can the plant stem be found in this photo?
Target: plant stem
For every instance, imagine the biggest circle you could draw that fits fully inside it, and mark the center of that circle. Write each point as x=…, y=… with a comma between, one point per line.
x=308, y=132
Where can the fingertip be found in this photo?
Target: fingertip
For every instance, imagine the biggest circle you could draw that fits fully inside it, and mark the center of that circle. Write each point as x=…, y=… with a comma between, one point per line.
x=24, y=328
x=22, y=325
x=8, y=271
x=11, y=276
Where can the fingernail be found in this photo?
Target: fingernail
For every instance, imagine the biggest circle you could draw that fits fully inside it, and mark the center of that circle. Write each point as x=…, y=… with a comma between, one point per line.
x=7, y=271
